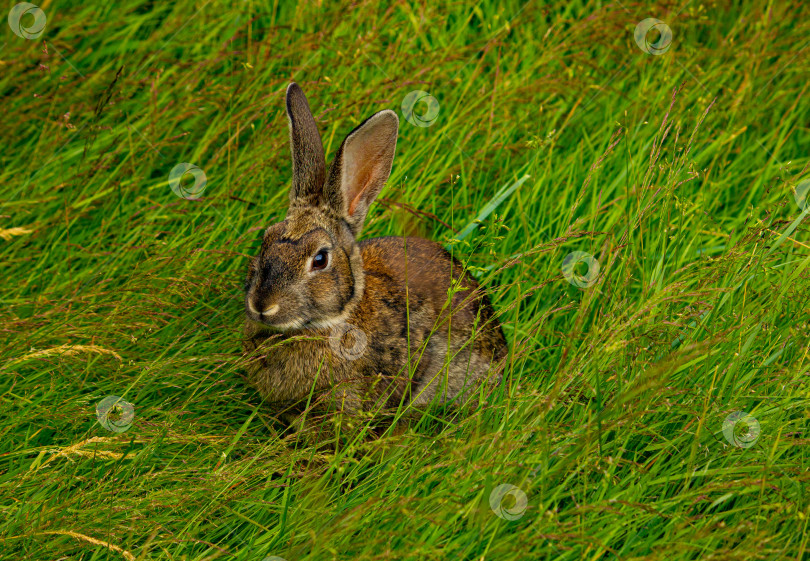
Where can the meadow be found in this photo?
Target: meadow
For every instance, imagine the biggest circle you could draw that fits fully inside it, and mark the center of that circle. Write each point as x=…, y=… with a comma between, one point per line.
x=656, y=397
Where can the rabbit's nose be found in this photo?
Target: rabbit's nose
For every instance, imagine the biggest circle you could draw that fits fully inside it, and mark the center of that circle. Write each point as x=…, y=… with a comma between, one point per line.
x=268, y=311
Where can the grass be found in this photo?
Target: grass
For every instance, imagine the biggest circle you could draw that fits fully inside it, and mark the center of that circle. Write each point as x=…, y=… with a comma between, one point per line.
x=676, y=172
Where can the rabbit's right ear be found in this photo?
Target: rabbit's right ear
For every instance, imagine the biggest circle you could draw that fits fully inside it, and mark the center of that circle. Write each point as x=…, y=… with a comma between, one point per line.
x=309, y=164
x=361, y=168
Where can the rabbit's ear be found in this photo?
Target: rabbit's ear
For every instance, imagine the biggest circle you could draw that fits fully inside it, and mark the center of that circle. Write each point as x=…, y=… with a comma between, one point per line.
x=361, y=167
x=309, y=164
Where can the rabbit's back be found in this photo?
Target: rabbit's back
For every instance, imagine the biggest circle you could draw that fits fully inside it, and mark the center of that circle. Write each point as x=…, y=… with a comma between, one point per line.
x=405, y=305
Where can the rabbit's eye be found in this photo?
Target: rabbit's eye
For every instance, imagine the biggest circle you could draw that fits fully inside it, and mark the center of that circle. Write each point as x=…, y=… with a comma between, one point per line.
x=321, y=260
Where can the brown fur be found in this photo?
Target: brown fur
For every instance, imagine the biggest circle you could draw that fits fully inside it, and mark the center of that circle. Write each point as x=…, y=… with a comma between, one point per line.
x=407, y=342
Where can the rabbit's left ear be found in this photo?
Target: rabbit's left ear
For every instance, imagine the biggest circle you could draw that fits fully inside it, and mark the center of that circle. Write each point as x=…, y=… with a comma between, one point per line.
x=309, y=164
x=361, y=167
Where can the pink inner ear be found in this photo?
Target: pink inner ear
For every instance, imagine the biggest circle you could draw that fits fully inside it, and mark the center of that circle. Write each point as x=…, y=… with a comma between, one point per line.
x=366, y=161
x=362, y=164
x=361, y=179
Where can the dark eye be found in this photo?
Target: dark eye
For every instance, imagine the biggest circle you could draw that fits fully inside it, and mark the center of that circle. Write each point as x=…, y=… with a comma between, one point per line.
x=321, y=260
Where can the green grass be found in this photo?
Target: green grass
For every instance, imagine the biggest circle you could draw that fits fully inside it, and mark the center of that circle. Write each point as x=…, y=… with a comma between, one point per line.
x=676, y=172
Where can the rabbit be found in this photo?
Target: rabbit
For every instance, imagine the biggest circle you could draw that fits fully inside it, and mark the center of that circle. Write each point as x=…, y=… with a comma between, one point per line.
x=341, y=324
